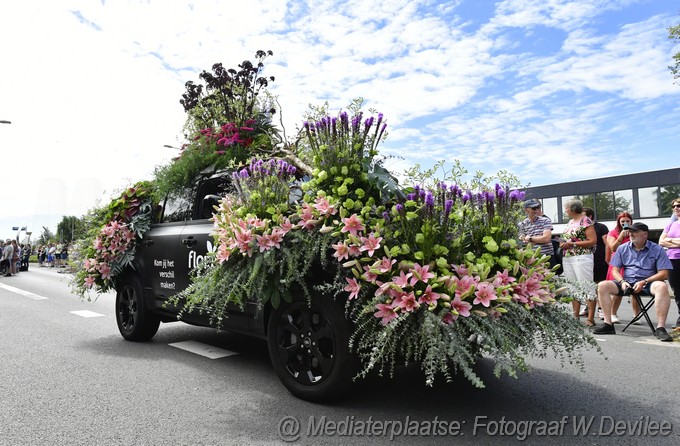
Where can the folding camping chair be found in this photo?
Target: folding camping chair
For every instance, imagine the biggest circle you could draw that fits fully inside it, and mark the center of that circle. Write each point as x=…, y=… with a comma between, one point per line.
x=643, y=312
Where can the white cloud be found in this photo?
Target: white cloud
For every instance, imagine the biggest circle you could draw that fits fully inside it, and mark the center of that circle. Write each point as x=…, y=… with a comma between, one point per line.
x=92, y=88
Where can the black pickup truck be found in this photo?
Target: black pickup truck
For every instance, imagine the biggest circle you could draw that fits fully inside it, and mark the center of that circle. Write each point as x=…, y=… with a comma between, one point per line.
x=307, y=342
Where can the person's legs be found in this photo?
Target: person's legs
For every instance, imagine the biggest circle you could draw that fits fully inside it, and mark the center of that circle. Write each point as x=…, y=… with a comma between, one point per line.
x=605, y=290
x=662, y=301
x=584, y=273
x=568, y=264
x=674, y=281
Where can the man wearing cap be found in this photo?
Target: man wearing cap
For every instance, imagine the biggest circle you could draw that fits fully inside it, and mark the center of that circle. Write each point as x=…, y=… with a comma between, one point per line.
x=536, y=229
x=645, y=266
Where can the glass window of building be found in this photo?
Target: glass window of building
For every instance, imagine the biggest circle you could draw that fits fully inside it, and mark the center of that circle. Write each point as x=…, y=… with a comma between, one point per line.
x=605, y=206
x=667, y=195
x=649, y=201
x=623, y=202
x=587, y=201
x=550, y=209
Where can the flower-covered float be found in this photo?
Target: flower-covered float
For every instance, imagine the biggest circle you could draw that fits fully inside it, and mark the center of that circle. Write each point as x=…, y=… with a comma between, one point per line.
x=429, y=274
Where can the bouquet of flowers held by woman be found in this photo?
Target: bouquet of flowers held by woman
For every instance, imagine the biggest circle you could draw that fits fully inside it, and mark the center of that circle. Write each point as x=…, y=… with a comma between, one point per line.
x=431, y=274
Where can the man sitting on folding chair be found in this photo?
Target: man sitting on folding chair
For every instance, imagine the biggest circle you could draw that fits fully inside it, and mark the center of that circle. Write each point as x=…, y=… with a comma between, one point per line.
x=645, y=266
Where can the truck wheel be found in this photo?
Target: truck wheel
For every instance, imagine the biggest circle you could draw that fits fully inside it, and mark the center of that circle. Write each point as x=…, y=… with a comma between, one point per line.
x=309, y=348
x=135, y=321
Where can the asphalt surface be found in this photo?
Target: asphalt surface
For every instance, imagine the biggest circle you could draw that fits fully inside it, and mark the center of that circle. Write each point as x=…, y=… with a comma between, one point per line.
x=68, y=379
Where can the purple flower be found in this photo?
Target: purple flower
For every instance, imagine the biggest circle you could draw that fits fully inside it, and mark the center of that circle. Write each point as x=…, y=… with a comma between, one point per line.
x=429, y=201
x=448, y=204
x=386, y=216
x=400, y=208
x=411, y=197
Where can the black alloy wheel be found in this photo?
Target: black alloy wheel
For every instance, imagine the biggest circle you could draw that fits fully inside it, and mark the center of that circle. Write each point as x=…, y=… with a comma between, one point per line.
x=309, y=348
x=135, y=321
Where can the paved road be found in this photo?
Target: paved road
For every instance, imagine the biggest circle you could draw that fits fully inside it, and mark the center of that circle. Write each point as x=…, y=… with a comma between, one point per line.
x=68, y=378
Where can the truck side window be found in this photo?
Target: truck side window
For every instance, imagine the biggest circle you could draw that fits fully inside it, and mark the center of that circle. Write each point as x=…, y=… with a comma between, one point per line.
x=209, y=194
x=178, y=206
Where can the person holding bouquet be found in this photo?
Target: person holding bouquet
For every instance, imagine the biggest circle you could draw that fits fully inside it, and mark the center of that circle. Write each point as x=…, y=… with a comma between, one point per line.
x=579, y=239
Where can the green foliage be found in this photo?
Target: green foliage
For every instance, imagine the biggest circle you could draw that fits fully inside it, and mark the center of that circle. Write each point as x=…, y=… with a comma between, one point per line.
x=46, y=236
x=215, y=286
x=227, y=123
x=674, y=34
x=449, y=349
x=227, y=95
x=70, y=228
x=110, y=245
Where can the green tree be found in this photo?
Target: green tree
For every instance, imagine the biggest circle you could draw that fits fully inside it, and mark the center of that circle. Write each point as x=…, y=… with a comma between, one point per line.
x=46, y=236
x=674, y=34
x=69, y=229
x=667, y=195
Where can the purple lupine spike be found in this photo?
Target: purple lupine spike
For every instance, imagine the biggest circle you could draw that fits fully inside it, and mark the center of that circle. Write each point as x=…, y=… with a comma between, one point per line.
x=514, y=195
x=380, y=118
x=448, y=204
x=368, y=123
x=400, y=208
x=386, y=216
x=466, y=197
x=500, y=193
x=429, y=200
x=490, y=196
x=411, y=196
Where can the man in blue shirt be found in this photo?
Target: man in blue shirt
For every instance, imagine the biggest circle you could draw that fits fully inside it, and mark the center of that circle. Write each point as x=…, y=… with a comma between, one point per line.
x=645, y=269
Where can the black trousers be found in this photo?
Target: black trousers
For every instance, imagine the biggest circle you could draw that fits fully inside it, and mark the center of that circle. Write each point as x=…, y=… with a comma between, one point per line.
x=674, y=280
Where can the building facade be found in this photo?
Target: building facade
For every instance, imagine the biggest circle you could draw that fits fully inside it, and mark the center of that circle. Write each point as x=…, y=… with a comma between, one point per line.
x=645, y=195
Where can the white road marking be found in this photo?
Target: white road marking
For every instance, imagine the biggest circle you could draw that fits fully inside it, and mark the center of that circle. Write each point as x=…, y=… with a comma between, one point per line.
x=86, y=313
x=654, y=341
x=203, y=349
x=22, y=292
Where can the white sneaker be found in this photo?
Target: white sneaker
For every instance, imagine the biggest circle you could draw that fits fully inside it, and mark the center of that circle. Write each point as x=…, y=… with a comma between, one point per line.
x=615, y=319
x=600, y=314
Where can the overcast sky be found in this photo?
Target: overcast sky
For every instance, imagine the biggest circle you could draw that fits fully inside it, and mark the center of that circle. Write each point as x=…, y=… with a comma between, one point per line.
x=551, y=90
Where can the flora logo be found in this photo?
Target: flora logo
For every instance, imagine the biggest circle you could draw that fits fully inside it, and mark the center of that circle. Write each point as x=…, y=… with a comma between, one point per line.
x=195, y=258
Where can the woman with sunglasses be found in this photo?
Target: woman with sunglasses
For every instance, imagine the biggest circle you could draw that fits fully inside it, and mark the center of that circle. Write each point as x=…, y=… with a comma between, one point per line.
x=617, y=237
x=670, y=239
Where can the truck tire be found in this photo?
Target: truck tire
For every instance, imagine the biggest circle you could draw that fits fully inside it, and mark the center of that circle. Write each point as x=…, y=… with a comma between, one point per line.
x=309, y=348
x=135, y=321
